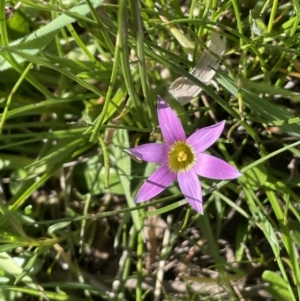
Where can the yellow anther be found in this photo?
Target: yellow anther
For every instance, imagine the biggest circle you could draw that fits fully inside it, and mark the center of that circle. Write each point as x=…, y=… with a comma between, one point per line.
x=182, y=156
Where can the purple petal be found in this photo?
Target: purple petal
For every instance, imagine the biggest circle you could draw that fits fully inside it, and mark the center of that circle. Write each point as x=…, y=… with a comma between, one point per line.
x=169, y=123
x=155, y=184
x=205, y=137
x=191, y=188
x=151, y=152
x=214, y=168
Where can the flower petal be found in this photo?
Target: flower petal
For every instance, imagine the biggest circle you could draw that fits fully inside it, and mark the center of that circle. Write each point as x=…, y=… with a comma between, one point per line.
x=151, y=152
x=214, y=168
x=205, y=137
x=169, y=123
x=155, y=184
x=191, y=188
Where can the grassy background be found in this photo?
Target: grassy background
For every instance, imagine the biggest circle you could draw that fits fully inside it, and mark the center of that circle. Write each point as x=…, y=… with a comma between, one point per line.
x=78, y=81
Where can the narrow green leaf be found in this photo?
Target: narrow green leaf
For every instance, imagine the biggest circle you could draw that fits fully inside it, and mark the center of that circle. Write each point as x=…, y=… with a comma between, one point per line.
x=58, y=226
x=278, y=288
x=29, y=266
x=267, y=110
x=40, y=38
x=123, y=165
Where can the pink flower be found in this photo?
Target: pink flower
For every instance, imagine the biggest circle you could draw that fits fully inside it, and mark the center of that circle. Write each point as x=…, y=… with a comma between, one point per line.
x=182, y=158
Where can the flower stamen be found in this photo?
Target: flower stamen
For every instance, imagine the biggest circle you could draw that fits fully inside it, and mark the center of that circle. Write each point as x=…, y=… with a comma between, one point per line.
x=181, y=157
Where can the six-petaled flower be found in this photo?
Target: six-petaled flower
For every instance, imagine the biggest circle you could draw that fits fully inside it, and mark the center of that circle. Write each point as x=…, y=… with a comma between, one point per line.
x=182, y=158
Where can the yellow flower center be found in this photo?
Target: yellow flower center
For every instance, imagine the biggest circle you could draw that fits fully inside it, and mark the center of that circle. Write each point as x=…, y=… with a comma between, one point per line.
x=181, y=157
